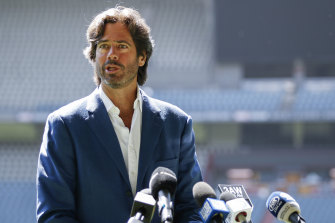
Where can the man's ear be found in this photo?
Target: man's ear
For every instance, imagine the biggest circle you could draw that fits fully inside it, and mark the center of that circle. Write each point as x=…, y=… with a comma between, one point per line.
x=142, y=59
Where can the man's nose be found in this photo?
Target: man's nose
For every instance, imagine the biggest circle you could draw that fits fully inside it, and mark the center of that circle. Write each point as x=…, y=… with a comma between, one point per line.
x=112, y=54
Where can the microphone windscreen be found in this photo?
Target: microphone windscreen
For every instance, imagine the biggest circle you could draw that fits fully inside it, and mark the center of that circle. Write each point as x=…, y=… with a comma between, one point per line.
x=227, y=196
x=202, y=191
x=163, y=179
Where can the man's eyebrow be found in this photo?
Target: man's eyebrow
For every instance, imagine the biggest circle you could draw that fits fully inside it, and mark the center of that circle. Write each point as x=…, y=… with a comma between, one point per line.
x=101, y=41
x=123, y=41
x=117, y=41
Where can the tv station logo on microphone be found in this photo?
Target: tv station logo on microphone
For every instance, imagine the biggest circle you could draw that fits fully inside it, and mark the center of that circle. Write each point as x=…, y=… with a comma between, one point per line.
x=205, y=211
x=274, y=204
x=237, y=190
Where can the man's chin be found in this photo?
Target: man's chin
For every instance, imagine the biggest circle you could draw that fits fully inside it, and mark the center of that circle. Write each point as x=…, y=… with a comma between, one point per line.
x=116, y=84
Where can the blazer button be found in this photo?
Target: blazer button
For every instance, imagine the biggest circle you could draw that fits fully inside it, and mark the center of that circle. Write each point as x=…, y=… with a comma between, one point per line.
x=129, y=193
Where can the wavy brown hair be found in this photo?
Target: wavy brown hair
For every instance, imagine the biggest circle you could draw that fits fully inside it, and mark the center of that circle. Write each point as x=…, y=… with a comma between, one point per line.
x=139, y=31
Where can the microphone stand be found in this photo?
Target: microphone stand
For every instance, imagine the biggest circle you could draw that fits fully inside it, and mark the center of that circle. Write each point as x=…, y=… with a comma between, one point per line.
x=165, y=211
x=295, y=217
x=137, y=218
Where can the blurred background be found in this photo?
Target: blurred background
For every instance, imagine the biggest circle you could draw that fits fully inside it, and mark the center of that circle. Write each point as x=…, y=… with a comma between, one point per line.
x=258, y=78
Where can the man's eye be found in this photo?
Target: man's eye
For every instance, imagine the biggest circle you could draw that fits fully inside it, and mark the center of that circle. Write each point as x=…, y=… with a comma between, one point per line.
x=103, y=46
x=123, y=46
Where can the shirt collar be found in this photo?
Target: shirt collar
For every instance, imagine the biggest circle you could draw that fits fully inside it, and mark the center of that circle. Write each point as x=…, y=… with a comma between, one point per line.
x=112, y=109
x=138, y=101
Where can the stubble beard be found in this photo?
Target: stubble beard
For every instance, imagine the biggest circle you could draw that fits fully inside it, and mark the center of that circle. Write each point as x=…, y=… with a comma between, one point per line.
x=122, y=79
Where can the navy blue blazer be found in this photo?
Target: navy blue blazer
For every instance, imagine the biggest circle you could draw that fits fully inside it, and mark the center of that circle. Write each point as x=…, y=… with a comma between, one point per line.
x=81, y=174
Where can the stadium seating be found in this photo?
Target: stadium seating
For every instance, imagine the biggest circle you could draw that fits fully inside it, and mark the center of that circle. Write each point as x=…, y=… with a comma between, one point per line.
x=42, y=69
x=18, y=164
x=17, y=202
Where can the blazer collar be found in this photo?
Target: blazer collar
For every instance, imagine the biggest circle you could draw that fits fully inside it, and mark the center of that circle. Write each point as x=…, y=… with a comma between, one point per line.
x=152, y=124
x=94, y=101
x=101, y=125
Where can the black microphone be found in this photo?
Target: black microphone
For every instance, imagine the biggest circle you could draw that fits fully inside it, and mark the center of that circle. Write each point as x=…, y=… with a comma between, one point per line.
x=163, y=184
x=212, y=209
x=143, y=207
x=202, y=191
x=283, y=207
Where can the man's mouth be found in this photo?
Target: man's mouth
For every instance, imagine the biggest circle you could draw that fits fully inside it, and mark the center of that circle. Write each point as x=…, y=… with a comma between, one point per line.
x=112, y=68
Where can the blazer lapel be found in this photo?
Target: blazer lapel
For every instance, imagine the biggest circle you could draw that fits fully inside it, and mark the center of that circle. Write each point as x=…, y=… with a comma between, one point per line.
x=101, y=125
x=152, y=124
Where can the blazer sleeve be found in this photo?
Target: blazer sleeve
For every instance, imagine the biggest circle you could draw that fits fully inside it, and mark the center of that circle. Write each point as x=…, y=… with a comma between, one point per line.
x=189, y=173
x=56, y=174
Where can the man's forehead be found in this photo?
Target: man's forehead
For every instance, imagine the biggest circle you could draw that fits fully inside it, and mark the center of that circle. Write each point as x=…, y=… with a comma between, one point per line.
x=116, y=32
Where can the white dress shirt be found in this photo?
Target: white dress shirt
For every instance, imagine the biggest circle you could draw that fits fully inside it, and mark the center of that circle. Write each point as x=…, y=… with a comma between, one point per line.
x=129, y=140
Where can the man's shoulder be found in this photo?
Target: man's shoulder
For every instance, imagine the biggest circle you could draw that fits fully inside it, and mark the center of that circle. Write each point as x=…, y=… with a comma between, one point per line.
x=74, y=108
x=166, y=108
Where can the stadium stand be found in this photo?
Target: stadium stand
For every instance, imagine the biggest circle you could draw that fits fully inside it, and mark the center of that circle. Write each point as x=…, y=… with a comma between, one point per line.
x=42, y=69
x=17, y=182
x=316, y=95
x=18, y=202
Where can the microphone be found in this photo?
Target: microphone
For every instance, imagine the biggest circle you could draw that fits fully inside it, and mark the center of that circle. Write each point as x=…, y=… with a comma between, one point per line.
x=283, y=207
x=143, y=207
x=237, y=190
x=239, y=209
x=212, y=210
x=163, y=184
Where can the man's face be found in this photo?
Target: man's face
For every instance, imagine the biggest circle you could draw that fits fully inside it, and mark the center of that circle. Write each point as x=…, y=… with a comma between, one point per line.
x=116, y=60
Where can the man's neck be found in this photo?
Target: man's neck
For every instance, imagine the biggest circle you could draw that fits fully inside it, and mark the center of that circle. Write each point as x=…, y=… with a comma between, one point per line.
x=123, y=98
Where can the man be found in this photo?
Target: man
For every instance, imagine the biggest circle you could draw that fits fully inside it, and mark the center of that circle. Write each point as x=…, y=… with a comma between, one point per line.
x=99, y=151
